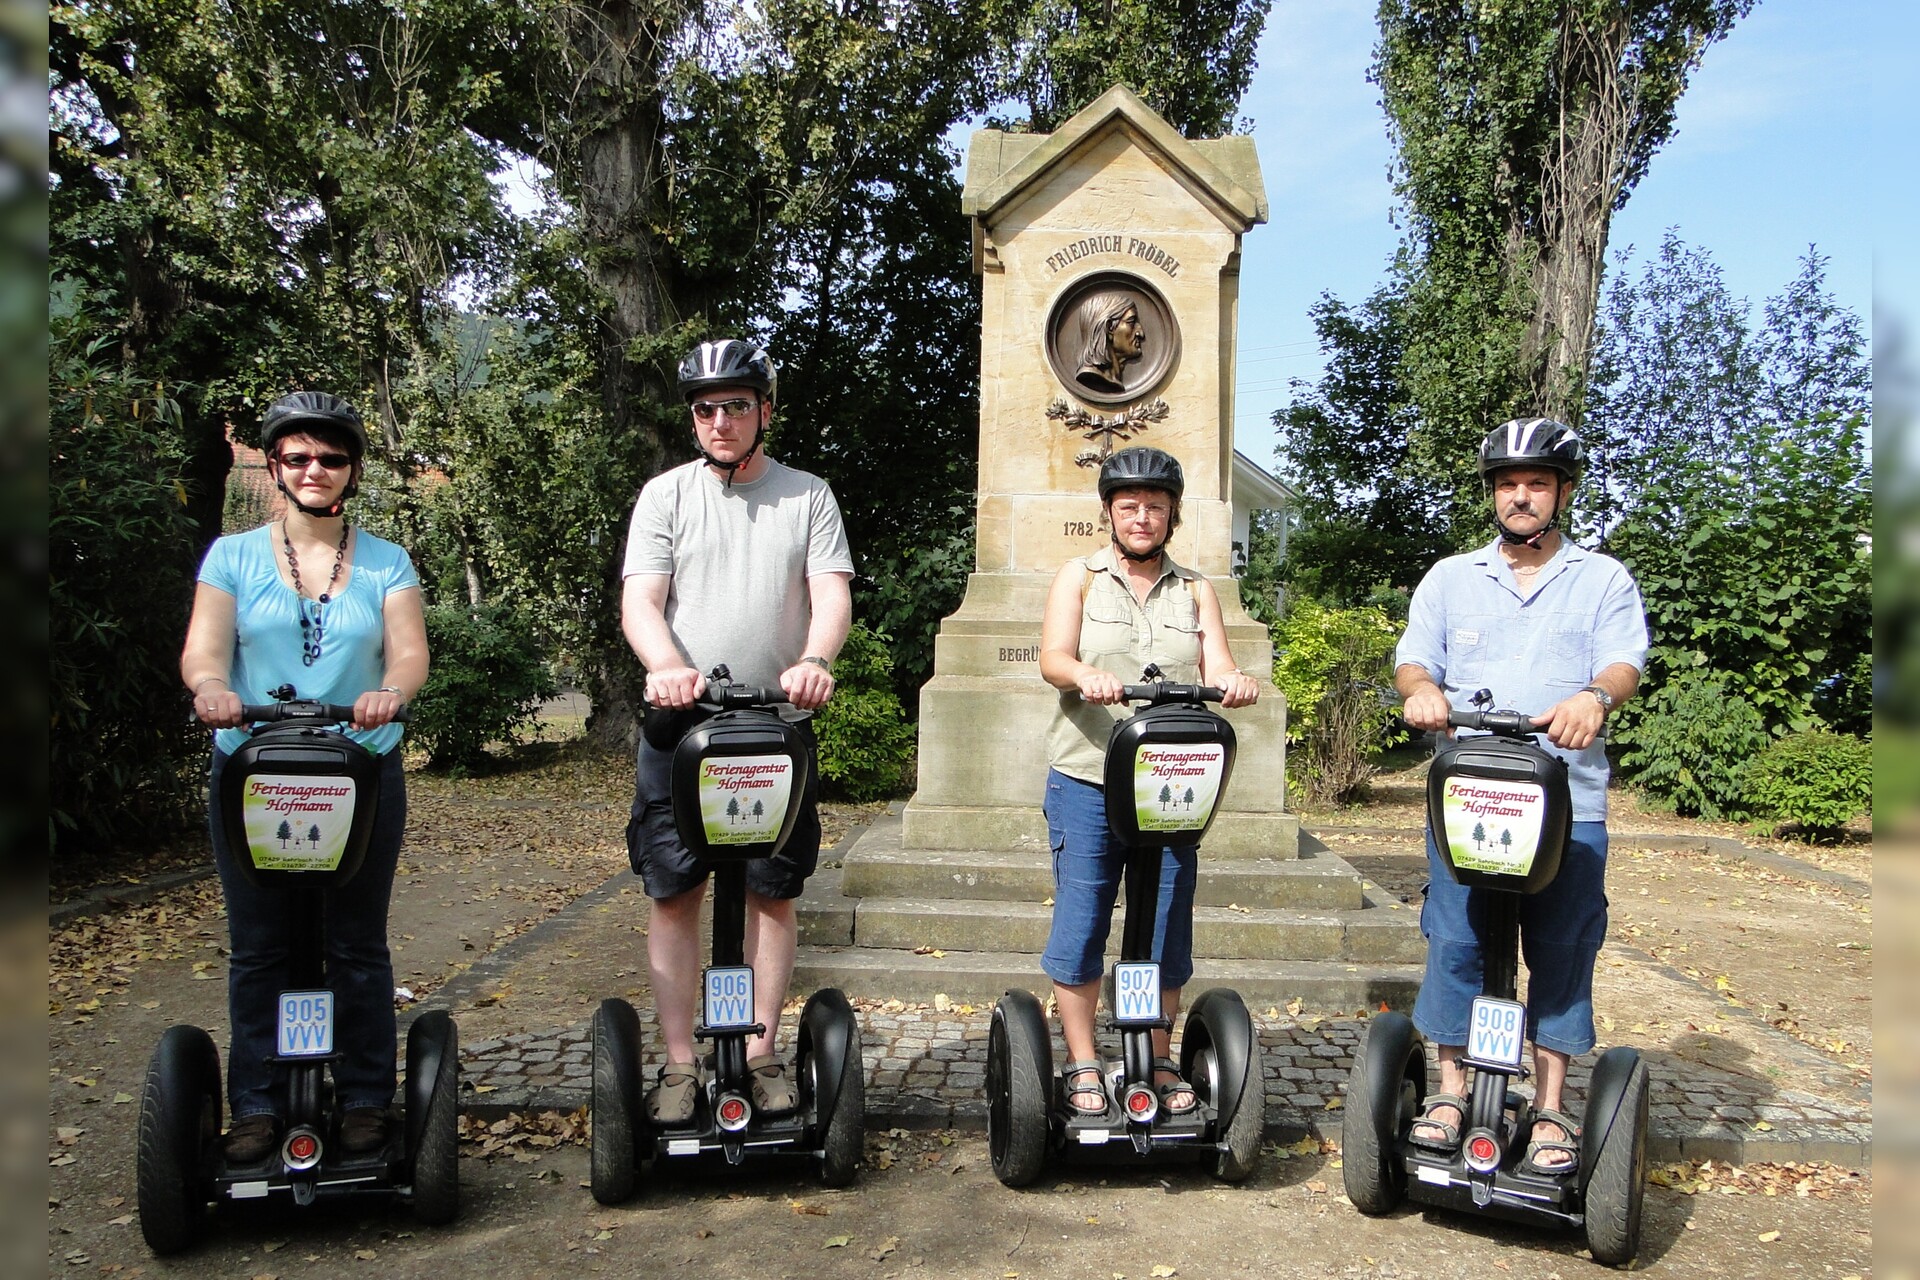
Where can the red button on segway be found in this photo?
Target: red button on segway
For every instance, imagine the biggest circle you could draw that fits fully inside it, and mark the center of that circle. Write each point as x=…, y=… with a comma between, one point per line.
x=1482, y=1150
x=303, y=1146
x=733, y=1111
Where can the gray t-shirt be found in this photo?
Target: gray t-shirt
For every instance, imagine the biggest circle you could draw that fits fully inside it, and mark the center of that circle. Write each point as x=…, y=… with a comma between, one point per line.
x=739, y=558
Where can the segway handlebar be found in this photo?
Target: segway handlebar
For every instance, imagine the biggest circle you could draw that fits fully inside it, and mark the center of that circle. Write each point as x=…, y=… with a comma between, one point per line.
x=304, y=709
x=1161, y=693
x=1506, y=724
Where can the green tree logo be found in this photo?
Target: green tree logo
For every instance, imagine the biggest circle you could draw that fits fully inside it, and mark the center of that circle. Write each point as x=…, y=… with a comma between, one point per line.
x=733, y=808
x=759, y=811
x=1506, y=840
x=313, y=834
x=1166, y=796
x=1479, y=834
x=285, y=833
x=1189, y=797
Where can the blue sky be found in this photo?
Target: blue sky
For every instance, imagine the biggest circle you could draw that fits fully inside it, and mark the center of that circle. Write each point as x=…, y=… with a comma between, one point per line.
x=1775, y=151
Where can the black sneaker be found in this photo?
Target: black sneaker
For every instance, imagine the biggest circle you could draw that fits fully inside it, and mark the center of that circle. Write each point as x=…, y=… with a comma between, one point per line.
x=250, y=1141
x=365, y=1129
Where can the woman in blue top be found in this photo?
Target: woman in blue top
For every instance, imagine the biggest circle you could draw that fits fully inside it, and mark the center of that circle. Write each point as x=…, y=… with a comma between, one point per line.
x=310, y=602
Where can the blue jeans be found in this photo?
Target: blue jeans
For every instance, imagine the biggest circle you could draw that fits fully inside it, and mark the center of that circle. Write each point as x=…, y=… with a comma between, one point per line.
x=359, y=969
x=1087, y=865
x=1561, y=929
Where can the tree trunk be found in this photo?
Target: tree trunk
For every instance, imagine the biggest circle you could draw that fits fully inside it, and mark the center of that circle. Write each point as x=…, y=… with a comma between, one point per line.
x=617, y=52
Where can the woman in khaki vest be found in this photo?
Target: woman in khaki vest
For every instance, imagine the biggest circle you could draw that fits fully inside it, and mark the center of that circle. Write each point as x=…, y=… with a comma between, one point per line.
x=1108, y=615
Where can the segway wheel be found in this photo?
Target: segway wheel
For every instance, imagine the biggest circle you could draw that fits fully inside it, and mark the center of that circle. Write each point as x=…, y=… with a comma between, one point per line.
x=1019, y=1069
x=1384, y=1090
x=1618, y=1183
x=1220, y=1057
x=179, y=1124
x=433, y=1043
x=847, y=1126
x=613, y=1145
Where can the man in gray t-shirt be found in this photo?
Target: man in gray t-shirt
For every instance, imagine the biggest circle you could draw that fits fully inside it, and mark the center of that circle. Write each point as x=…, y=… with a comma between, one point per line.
x=732, y=559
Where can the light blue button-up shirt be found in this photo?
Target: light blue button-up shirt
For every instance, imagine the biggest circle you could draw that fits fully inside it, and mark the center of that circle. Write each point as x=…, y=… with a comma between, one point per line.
x=1472, y=626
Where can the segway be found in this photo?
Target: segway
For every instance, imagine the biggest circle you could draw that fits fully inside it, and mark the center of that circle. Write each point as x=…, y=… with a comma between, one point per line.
x=303, y=777
x=1166, y=768
x=1500, y=811
x=737, y=783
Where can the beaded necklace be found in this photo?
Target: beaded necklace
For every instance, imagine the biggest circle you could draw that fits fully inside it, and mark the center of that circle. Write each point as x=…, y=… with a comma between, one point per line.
x=313, y=629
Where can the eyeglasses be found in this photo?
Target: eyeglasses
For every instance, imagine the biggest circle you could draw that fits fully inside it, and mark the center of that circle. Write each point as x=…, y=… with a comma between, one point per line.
x=1125, y=510
x=301, y=461
x=737, y=408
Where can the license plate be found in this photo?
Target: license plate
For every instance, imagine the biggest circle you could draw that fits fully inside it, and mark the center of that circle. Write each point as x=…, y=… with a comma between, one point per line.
x=1497, y=1032
x=1136, y=992
x=729, y=997
x=306, y=1024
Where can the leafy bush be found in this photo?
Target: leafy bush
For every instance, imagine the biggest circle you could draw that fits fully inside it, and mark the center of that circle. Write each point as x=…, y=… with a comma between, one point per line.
x=485, y=681
x=1332, y=665
x=866, y=744
x=1818, y=780
x=1689, y=743
x=124, y=752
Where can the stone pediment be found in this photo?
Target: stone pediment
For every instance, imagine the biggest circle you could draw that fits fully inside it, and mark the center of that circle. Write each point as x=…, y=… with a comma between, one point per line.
x=1223, y=172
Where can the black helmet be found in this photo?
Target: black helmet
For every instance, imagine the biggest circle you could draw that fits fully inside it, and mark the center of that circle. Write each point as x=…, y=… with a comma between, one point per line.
x=1532, y=442
x=302, y=409
x=1142, y=467
x=728, y=362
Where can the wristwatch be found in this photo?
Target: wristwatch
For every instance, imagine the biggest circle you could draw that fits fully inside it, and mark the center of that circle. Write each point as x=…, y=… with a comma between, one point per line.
x=1601, y=696
x=819, y=662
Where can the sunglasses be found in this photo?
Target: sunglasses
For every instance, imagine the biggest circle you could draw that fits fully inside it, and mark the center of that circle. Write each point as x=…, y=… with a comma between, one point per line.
x=301, y=461
x=738, y=408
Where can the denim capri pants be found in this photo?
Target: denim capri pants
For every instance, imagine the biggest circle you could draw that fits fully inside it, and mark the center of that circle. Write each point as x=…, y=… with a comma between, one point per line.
x=1561, y=929
x=1087, y=867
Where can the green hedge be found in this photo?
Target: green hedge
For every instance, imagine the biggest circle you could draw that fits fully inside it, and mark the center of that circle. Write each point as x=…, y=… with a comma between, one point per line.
x=486, y=679
x=866, y=743
x=1818, y=781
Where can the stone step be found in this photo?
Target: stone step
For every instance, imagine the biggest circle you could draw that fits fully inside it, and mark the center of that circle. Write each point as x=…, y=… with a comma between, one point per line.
x=881, y=868
x=1323, y=988
x=1379, y=932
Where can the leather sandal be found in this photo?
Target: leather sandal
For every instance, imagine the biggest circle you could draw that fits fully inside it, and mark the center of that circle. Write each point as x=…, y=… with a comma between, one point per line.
x=772, y=1091
x=1570, y=1145
x=1073, y=1080
x=1449, y=1139
x=1168, y=1089
x=671, y=1101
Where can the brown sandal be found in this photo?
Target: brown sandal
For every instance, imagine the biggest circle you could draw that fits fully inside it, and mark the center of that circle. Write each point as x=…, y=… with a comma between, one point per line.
x=772, y=1092
x=671, y=1101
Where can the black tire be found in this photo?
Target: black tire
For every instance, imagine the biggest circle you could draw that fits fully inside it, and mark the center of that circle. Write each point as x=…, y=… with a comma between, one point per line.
x=179, y=1125
x=1019, y=1070
x=436, y=1160
x=1618, y=1184
x=847, y=1126
x=1218, y=1024
x=1370, y=1168
x=612, y=1145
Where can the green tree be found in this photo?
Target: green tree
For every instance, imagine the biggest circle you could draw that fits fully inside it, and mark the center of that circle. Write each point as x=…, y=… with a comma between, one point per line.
x=1166, y=795
x=1733, y=467
x=1190, y=62
x=1479, y=834
x=285, y=832
x=733, y=808
x=1332, y=665
x=1519, y=130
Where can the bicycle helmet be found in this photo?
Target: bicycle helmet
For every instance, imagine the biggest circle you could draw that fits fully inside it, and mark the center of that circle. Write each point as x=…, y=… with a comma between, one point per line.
x=1142, y=467
x=728, y=362
x=1532, y=442
x=333, y=418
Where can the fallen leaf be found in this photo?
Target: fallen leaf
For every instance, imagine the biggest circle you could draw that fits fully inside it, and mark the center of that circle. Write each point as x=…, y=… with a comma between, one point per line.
x=1768, y=1237
x=1162, y=1269
x=365, y=1255
x=837, y=1242
x=801, y=1206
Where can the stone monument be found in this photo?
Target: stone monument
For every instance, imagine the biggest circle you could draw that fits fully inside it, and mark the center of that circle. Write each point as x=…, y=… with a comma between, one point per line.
x=1109, y=257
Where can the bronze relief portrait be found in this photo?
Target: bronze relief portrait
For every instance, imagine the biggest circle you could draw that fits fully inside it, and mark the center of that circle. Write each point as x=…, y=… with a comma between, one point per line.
x=1111, y=338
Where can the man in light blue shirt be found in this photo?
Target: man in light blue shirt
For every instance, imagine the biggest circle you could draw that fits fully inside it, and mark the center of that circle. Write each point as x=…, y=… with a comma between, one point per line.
x=1560, y=631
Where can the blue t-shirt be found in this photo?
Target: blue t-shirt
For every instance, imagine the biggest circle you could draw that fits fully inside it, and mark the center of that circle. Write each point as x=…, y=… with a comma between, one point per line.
x=1473, y=627
x=267, y=649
